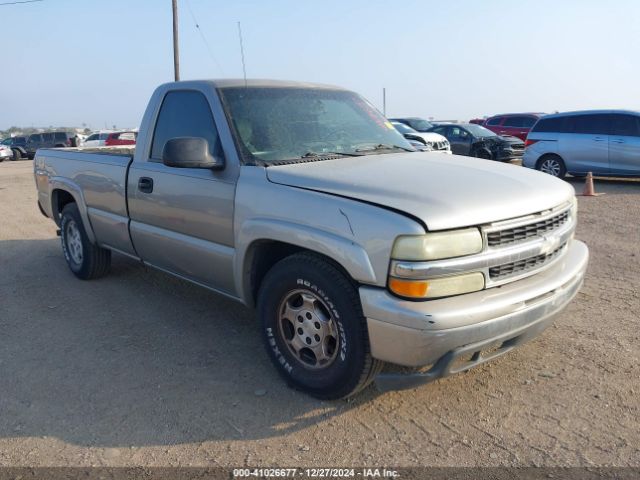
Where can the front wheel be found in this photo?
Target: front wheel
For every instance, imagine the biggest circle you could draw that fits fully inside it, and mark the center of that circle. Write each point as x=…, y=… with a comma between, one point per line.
x=482, y=153
x=16, y=154
x=85, y=259
x=552, y=165
x=314, y=329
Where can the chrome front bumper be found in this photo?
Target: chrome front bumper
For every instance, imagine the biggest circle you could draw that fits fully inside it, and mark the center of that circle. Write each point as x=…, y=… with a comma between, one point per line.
x=440, y=332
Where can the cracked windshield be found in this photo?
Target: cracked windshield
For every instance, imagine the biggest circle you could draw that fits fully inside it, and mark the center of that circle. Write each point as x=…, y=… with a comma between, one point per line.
x=287, y=124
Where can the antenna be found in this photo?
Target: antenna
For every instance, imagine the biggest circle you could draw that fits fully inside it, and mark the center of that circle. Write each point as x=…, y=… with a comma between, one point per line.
x=244, y=68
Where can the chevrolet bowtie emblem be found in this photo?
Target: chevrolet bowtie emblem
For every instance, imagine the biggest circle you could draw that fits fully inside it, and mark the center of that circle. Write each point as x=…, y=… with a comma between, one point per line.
x=549, y=244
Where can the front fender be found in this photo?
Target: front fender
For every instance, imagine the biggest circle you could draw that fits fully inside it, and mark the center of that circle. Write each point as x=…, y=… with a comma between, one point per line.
x=350, y=255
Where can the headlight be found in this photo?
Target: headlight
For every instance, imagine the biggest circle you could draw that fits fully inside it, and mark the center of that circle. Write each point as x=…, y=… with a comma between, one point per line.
x=574, y=208
x=437, y=245
x=437, y=287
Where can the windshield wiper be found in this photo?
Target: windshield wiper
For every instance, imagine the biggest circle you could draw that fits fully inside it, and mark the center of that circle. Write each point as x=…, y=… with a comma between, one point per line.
x=382, y=146
x=328, y=154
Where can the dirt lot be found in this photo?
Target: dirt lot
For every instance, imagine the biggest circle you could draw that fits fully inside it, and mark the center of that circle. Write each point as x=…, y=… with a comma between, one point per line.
x=142, y=369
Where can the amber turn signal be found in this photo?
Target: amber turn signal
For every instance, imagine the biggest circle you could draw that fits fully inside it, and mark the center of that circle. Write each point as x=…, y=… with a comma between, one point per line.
x=409, y=288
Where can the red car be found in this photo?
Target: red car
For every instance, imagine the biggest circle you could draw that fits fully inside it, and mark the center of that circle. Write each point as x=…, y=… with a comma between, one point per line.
x=121, y=138
x=513, y=124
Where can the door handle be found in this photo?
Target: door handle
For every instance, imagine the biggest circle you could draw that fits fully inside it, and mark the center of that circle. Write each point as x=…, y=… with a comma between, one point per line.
x=617, y=140
x=145, y=184
x=598, y=139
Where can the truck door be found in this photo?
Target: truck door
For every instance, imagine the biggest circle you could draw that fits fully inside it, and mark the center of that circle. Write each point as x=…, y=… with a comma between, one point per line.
x=182, y=218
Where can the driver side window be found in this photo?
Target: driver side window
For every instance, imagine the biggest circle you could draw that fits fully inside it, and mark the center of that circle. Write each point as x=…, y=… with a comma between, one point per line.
x=460, y=134
x=184, y=113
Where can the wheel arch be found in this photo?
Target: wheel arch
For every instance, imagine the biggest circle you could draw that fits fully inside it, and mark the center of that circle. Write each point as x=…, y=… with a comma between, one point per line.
x=482, y=149
x=64, y=192
x=257, y=254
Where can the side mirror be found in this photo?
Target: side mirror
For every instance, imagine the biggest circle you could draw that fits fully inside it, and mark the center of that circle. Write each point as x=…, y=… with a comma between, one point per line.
x=190, y=152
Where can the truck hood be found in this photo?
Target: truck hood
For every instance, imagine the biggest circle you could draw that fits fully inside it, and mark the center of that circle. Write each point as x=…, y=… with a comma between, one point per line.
x=443, y=191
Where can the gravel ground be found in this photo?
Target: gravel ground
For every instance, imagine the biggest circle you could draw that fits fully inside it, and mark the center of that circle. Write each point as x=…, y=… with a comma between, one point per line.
x=139, y=368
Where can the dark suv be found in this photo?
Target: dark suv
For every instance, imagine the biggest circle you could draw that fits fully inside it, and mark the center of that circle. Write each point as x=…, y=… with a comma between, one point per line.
x=476, y=141
x=17, y=145
x=49, y=140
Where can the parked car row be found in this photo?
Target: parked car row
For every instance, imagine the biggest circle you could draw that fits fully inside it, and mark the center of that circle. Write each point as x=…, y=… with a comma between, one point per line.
x=25, y=146
x=476, y=141
x=461, y=139
x=431, y=140
x=604, y=142
x=106, y=139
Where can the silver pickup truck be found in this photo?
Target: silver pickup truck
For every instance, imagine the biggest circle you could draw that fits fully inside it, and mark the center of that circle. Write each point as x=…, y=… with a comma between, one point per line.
x=303, y=201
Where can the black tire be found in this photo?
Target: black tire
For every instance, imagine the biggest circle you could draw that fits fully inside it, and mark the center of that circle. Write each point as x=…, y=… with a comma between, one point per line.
x=553, y=165
x=352, y=367
x=482, y=153
x=16, y=154
x=93, y=261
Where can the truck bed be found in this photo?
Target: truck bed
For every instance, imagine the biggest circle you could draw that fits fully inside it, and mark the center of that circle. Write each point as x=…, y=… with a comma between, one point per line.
x=99, y=176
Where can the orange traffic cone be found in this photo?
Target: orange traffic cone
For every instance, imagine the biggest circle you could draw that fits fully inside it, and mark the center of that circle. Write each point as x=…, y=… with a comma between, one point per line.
x=589, y=190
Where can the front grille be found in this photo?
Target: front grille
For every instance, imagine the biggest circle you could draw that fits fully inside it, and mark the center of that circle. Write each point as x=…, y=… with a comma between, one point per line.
x=439, y=145
x=521, y=266
x=525, y=232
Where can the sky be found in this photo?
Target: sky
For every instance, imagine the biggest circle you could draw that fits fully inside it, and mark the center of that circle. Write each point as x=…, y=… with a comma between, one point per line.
x=75, y=62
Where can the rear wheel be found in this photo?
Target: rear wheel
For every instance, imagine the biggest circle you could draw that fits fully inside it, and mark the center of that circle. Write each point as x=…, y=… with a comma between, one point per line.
x=552, y=165
x=85, y=259
x=16, y=154
x=314, y=329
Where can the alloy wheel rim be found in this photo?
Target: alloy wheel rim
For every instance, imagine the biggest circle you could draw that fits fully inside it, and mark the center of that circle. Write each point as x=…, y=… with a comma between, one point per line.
x=308, y=328
x=74, y=242
x=552, y=167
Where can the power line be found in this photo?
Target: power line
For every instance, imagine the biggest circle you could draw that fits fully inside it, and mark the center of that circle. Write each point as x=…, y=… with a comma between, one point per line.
x=204, y=39
x=23, y=1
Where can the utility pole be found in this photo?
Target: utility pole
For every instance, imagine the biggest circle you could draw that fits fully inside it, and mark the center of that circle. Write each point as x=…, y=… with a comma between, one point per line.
x=176, y=54
x=384, y=101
